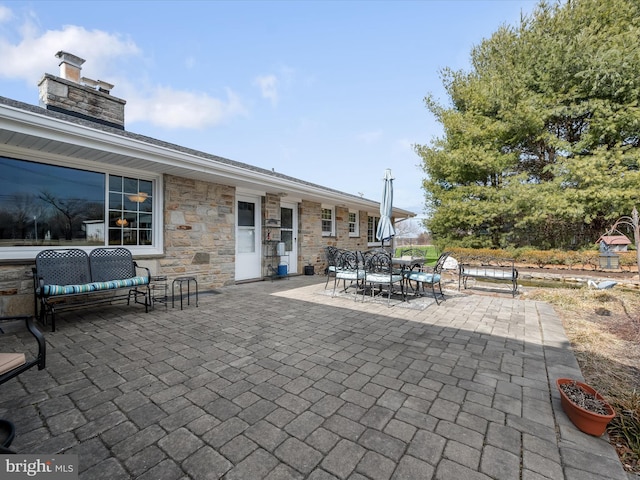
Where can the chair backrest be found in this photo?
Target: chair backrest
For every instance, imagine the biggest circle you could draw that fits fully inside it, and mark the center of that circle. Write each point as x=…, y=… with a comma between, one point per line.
x=440, y=263
x=111, y=264
x=347, y=260
x=378, y=261
x=411, y=252
x=63, y=267
x=330, y=252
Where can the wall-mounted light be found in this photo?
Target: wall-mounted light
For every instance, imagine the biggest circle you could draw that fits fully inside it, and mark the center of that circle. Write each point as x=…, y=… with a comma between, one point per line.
x=122, y=222
x=139, y=197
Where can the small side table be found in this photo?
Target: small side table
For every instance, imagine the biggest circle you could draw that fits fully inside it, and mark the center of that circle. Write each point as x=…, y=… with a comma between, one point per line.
x=180, y=281
x=159, y=290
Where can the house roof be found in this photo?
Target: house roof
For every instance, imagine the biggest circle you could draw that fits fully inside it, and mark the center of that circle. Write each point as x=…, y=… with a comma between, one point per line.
x=40, y=134
x=614, y=240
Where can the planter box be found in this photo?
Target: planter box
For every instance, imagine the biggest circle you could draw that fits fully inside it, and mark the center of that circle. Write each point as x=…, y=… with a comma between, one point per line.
x=586, y=420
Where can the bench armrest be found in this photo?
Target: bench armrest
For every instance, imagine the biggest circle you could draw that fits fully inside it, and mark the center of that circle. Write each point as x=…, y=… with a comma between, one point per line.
x=135, y=264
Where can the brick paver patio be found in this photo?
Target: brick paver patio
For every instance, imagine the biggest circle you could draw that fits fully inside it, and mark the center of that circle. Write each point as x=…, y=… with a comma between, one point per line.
x=277, y=380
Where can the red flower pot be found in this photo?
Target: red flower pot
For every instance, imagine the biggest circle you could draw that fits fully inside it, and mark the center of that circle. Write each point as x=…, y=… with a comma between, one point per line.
x=586, y=420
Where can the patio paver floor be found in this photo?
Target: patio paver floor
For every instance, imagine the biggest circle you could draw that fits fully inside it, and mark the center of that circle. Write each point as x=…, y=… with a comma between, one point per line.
x=277, y=380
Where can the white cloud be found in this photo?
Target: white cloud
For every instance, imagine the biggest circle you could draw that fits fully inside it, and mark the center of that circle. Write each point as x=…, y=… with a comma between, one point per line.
x=5, y=14
x=108, y=58
x=268, y=85
x=369, y=137
x=34, y=52
x=169, y=108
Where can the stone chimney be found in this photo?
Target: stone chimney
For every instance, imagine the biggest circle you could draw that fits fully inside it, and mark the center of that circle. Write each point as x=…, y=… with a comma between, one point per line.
x=80, y=96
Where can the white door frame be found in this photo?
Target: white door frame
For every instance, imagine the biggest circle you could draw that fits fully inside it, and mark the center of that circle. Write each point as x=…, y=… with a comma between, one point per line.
x=248, y=250
x=293, y=254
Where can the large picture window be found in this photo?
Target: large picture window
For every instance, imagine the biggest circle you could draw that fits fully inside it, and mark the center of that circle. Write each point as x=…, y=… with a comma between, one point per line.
x=44, y=205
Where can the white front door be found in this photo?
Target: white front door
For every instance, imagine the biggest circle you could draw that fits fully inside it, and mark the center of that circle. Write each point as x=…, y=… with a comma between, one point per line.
x=289, y=234
x=248, y=234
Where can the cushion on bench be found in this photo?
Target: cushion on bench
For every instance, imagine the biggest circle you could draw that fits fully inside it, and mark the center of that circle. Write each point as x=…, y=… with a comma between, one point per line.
x=9, y=361
x=53, y=290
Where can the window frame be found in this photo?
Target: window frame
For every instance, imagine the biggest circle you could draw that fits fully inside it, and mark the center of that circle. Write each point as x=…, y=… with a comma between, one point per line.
x=156, y=248
x=332, y=209
x=355, y=223
x=376, y=220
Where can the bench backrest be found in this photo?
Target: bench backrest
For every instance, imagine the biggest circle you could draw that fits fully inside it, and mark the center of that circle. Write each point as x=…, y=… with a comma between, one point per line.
x=111, y=264
x=63, y=267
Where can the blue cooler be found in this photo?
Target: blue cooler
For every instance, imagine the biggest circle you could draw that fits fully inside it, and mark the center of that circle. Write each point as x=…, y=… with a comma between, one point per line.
x=282, y=269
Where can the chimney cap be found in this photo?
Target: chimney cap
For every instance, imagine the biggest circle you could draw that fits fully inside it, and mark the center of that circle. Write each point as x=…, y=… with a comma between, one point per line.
x=101, y=85
x=70, y=58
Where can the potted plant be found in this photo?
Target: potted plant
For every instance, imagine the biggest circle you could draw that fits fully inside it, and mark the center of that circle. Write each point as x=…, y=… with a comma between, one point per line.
x=585, y=407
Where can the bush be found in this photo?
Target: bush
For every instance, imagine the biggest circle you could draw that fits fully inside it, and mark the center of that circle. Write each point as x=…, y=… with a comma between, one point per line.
x=586, y=259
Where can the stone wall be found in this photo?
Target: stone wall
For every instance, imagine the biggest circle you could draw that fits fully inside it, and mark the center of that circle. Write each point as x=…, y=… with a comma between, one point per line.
x=312, y=241
x=199, y=232
x=16, y=290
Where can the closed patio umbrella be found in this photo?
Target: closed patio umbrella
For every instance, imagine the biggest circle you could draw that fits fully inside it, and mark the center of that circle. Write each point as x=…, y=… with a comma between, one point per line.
x=385, y=228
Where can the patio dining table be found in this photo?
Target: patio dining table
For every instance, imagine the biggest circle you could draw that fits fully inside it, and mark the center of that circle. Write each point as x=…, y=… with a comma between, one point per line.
x=408, y=263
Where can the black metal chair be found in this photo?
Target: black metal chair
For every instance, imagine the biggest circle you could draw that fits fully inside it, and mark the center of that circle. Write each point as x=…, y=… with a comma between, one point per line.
x=12, y=365
x=16, y=363
x=330, y=253
x=428, y=276
x=349, y=268
x=379, y=272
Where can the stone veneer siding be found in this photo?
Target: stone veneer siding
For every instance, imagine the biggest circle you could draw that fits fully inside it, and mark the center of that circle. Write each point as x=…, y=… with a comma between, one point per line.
x=199, y=232
x=16, y=290
x=313, y=243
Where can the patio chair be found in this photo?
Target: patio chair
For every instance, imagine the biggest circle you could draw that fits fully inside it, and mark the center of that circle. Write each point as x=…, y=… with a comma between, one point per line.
x=379, y=271
x=12, y=365
x=411, y=258
x=429, y=276
x=330, y=253
x=348, y=269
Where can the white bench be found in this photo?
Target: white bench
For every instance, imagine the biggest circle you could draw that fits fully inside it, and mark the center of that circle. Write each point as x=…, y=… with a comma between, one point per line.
x=492, y=270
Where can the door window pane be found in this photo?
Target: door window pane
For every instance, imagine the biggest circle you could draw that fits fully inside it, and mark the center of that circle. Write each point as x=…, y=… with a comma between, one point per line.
x=286, y=233
x=286, y=236
x=246, y=214
x=246, y=240
x=286, y=217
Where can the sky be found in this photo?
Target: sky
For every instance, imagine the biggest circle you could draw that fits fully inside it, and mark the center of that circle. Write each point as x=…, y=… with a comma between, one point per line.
x=331, y=92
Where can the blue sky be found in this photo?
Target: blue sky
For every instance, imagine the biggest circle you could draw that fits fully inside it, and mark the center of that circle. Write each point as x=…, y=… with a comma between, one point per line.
x=329, y=92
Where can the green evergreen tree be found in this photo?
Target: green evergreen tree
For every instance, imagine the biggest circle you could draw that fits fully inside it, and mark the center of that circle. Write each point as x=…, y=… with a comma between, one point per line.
x=541, y=141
